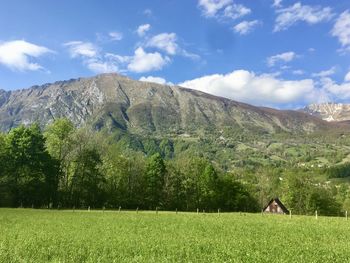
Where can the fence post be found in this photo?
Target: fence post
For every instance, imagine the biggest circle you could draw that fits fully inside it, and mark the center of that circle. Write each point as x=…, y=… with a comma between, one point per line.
x=316, y=214
x=176, y=210
x=218, y=211
x=290, y=213
x=157, y=210
x=346, y=215
x=120, y=208
x=137, y=210
x=197, y=211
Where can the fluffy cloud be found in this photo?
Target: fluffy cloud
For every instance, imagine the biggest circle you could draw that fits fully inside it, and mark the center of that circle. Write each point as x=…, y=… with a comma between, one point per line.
x=339, y=91
x=98, y=66
x=222, y=9
x=277, y=3
x=115, y=36
x=246, y=27
x=158, y=80
x=341, y=30
x=17, y=54
x=81, y=49
x=144, y=62
x=283, y=57
x=236, y=11
x=107, y=63
x=301, y=13
x=298, y=72
x=142, y=29
x=347, y=77
x=99, y=62
x=93, y=59
x=211, y=7
x=325, y=73
x=165, y=42
x=242, y=85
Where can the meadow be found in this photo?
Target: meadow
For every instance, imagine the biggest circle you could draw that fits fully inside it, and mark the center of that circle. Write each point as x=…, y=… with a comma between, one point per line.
x=29, y=235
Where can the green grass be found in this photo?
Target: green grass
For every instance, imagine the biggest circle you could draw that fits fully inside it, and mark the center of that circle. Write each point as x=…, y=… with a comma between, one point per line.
x=64, y=236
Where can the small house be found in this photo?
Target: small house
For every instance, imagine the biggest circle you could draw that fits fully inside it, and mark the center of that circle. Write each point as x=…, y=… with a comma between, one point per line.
x=275, y=206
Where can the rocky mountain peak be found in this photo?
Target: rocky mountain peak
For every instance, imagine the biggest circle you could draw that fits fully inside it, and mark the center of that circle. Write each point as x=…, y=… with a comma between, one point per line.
x=329, y=111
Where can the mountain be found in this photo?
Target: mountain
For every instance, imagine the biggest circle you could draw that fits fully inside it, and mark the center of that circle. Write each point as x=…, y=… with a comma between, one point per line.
x=329, y=111
x=113, y=101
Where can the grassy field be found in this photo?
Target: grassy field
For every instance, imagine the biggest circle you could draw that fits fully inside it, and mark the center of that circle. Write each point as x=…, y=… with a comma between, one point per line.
x=64, y=236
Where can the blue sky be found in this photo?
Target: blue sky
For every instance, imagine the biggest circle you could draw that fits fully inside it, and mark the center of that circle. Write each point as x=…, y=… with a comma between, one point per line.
x=278, y=53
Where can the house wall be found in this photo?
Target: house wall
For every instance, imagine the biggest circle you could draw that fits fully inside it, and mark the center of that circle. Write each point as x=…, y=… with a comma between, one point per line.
x=274, y=208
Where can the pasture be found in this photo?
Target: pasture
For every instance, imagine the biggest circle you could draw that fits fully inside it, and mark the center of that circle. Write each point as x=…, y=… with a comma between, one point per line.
x=28, y=235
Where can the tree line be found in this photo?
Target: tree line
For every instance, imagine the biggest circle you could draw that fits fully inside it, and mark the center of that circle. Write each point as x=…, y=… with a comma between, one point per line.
x=66, y=167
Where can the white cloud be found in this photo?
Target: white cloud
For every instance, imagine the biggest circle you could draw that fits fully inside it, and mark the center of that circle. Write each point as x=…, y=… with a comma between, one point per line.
x=107, y=63
x=97, y=61
x=211, y=7
x=158, y=80
x=17, y=55
x=102, y=66
x=246, y=27
x=340, y=91
x=144, y=62
x=277, y=3
x=324, y=73
x=115, y=36
x=165, y=42
x=283, y=57
x=222, y=9
x=189, y=55
x=347, y=77
x=81, y=49
x=142, y=29
x=298, y=72
x=245, y=86
x=341, y=30
x=289, y=16
x=93, y=58
x=117, y=58
x=236, y=11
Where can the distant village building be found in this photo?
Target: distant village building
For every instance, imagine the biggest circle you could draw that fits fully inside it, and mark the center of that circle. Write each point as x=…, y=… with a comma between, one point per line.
x=275, y=206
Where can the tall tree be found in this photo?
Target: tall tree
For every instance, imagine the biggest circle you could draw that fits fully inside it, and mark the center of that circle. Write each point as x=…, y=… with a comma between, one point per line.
x=87, y=181
x=209, y=187
x=155, y=175
x=32, y=168
x=59, y=143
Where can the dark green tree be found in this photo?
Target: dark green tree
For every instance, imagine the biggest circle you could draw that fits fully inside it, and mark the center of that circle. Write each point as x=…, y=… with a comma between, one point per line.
x=33, y=171
x=155, y=176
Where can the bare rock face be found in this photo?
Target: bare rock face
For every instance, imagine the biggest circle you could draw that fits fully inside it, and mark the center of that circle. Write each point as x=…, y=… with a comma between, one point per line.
x=329, y=111
x=113, y=101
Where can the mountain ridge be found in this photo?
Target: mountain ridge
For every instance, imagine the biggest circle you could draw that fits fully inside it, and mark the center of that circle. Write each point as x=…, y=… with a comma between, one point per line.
x=114, y=101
